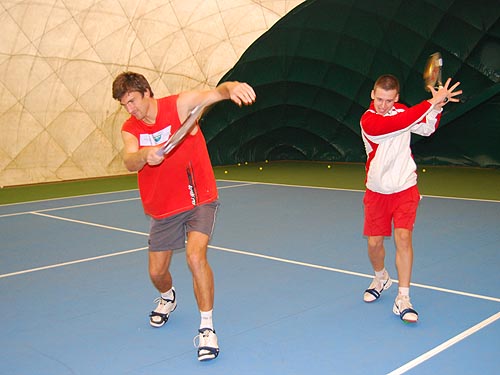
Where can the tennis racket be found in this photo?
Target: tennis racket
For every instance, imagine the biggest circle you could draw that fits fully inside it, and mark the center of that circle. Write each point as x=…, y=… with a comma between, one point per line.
x=182, y=132
x=432, y=71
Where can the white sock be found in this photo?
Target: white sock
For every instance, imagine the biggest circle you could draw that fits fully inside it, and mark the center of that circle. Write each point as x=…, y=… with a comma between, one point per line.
x=404, y=291
x=169, y=294
x=381, y=275
x=206, y=320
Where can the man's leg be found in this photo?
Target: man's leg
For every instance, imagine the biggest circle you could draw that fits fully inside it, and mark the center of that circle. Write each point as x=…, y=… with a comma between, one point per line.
x=381, y=281
x=404, y=255
x=203, y=285
x=404, y=263
x=203, y=280
x=376, y=252
x=159, y=263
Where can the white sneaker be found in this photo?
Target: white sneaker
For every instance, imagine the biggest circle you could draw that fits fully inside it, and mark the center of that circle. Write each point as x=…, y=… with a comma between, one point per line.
x=404, y=308
x=160, y=315
x=376, y=288
x=207, y=345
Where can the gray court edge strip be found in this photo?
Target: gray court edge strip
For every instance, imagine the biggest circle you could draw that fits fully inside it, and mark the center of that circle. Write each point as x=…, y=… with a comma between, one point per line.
x=445, y=345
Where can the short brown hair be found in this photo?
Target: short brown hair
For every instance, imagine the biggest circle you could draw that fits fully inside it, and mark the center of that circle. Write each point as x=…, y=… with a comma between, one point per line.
x=387, y=82
x=130, y=81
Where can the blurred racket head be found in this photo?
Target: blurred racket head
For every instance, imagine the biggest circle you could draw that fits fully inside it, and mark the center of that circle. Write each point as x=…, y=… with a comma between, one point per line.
x=432, y=71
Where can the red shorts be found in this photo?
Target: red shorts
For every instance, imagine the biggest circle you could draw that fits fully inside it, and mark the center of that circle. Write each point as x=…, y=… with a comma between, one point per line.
x=382, y=209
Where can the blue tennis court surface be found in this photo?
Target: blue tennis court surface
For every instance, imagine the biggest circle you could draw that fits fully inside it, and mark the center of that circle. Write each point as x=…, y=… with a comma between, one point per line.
x=290, y=268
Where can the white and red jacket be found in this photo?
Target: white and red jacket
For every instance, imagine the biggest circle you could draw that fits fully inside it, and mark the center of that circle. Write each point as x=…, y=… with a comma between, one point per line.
x=390, y=167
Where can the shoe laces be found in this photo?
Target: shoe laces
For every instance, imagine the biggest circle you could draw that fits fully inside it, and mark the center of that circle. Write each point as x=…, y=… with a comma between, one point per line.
x=162, y=301
x=403, y=302
x=162, y=304
x=378, y=284
x=206, y=337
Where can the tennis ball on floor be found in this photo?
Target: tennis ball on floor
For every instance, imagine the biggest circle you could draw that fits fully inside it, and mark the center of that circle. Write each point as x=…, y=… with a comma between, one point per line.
x=329, y=166
x=260, y=168
x=225, y=172
x=239, y=164
x=423, y=170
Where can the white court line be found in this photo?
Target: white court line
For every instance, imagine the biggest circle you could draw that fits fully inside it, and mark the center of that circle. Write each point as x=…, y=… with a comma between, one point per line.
x=283, y=260
x=445, y=345
x=69, y=197
x=408, y=366
x=72, y=262
x=359, y=191
x=294, y=186
x=69, y=207
x=242, y=184
x=311, y=265
x=88, y=204
x=238, y=185
x=88, y=223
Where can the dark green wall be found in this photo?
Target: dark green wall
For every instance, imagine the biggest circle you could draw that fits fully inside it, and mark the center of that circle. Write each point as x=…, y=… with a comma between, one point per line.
x=313, y=72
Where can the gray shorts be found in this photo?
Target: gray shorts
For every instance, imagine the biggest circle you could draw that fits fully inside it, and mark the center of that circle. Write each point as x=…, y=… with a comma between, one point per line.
x=170, y=233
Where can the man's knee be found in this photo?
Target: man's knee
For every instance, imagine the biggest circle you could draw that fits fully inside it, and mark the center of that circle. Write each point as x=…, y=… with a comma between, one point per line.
x=403, y=239
x=376, y=243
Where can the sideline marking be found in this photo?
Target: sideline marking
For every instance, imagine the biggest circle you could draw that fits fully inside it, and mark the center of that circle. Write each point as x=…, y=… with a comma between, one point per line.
x=311, y=265
x=88, y=204
x=257, y=255
x=445, y=345
x=72, y=262
x=88, y=223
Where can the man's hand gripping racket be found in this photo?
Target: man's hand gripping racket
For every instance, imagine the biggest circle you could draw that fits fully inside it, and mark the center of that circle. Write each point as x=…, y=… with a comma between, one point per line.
x=181, y=133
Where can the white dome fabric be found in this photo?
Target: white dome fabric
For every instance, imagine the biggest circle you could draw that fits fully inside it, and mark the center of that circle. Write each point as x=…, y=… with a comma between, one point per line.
x=58, y=59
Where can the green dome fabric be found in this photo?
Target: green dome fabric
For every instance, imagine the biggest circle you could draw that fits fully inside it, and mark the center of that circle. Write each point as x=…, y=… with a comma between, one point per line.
x=314, y=69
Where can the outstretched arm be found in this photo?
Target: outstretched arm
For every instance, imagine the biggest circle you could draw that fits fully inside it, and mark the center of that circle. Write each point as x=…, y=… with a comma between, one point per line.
x=240, y=93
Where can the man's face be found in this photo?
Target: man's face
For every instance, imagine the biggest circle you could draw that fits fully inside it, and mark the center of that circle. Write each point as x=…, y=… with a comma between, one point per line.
x=383, y=100
x=136, y=104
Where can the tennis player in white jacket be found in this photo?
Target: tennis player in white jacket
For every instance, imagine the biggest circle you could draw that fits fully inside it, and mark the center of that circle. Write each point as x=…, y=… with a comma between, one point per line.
x=392, y=196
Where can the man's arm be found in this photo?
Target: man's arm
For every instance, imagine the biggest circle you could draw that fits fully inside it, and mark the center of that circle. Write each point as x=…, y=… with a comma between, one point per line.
x=374, y=124
x=239, y=92
x=136, y=158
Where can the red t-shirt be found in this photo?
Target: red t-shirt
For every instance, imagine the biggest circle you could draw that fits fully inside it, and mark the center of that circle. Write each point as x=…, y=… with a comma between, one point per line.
x=185, y=178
